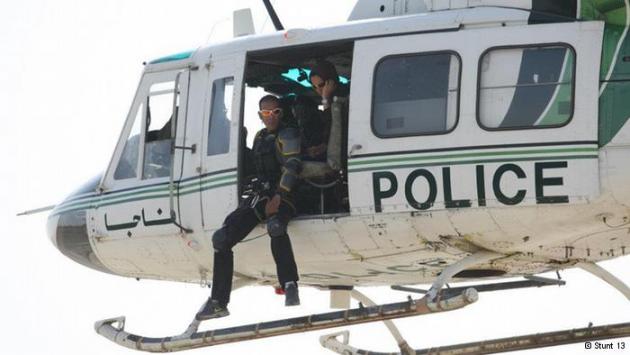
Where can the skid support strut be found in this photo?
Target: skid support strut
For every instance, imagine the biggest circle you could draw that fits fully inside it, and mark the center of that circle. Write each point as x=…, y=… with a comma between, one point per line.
x=331, y=342
x=405, y=349
x=471, y=260
x=606, y=276
x=192, y=328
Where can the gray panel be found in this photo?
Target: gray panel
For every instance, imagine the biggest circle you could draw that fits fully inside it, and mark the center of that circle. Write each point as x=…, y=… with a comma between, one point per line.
x=402, y=117
x=73, y=242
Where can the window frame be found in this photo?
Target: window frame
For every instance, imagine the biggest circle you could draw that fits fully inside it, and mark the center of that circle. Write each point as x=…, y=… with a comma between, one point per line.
x=209, y=131
x=145, y=124
x=416, y=54
x=147, y=79
x=525, y=46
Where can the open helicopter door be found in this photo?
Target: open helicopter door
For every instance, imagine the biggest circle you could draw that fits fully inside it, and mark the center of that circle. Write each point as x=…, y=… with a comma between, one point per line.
x=475, y=117
x=219, y=151
x=141, y=191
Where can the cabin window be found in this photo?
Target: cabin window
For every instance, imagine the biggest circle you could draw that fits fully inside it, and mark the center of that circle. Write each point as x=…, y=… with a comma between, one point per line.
x=526, y=87
x=416, y=94
x=128, y=163
x=161, y=106
x=220, y=117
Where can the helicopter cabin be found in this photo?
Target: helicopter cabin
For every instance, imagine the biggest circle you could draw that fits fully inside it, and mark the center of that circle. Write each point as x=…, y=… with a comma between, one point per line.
x=463, y=108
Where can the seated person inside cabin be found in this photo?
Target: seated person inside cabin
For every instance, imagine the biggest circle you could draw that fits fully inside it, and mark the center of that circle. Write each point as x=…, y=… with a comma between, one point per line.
x=325, y=82
x=315, y=125
x=276, y=157
x=312, y=128
x=319, y=136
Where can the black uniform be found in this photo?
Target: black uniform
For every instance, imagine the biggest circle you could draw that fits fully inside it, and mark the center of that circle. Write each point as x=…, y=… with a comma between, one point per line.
x=276, y=158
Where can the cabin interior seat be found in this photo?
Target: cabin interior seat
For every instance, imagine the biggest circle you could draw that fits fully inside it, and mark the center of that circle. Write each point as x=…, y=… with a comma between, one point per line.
x=315, y=169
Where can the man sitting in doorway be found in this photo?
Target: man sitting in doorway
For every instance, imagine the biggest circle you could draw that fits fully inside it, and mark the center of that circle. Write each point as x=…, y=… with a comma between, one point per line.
x=276, y=157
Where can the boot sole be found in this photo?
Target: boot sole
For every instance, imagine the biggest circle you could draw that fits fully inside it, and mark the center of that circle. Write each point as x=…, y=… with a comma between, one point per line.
x=213, y=316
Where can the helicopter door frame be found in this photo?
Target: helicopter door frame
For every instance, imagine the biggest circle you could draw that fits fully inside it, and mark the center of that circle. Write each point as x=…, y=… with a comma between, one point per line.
x=465, y=165
x=138, y=203
x=219, y=159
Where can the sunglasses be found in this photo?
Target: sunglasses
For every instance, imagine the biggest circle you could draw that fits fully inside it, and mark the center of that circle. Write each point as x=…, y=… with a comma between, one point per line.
x=267, y=113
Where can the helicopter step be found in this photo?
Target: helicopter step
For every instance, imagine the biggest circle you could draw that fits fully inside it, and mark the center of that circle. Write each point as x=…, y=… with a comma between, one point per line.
x=492, y=346
x=114, y=328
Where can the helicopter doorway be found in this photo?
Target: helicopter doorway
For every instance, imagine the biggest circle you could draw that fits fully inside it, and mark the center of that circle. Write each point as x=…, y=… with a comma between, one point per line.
x=286, y=74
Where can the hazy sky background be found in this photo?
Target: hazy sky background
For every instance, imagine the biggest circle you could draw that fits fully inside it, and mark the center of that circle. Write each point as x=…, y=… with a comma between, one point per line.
x=69, y=69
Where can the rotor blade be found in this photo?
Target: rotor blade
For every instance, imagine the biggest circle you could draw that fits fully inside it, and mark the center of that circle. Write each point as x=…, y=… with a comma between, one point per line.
x=274, y=17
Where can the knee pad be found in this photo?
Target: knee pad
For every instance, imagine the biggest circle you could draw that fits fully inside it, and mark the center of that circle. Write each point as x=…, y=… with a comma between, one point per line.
x=219, y=240
x=275, y=227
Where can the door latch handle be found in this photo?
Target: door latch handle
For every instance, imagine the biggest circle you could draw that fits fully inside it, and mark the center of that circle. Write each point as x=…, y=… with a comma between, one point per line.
x=192, y=148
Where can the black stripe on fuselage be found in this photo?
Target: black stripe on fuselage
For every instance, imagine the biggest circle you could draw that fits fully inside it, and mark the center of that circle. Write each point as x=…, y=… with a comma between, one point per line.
x=476, y=147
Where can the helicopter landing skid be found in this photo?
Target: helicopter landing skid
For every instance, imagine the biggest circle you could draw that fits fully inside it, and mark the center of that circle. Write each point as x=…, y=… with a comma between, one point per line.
x=114, y=328
x=490, y=346
x=525, y=342
x=433, y=302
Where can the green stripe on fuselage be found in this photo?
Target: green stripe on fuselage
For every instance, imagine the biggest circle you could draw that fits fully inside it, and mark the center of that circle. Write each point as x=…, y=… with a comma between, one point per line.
x=397, y=159
x=470, y=162
x=143, y=193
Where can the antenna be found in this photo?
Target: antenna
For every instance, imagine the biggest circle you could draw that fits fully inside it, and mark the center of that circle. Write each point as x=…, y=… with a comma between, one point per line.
x=37, y=210
x=243, y=23
x=274, y=17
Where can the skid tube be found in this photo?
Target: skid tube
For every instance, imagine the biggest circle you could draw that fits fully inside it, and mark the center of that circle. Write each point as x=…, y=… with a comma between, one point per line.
x=114, y=328
x=524, y=342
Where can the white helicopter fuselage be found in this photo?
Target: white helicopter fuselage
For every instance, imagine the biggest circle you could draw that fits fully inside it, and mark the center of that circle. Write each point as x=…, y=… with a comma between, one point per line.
x=545, y=196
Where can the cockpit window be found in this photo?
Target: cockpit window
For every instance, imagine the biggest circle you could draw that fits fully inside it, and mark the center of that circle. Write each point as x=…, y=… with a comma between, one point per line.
x=526, y=87
x=128, y=163
x=157, y=147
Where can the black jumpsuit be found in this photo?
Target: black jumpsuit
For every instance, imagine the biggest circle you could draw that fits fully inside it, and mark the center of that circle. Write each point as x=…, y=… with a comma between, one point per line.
x=276, y=156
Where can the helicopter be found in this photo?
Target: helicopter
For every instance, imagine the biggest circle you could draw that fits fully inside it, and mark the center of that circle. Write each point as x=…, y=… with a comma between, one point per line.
x=491, y=202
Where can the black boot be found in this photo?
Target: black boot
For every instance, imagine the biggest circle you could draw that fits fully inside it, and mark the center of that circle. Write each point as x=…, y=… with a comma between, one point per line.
x=212, y=309
x=291, y=296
